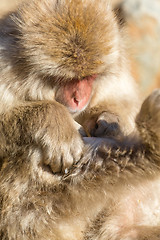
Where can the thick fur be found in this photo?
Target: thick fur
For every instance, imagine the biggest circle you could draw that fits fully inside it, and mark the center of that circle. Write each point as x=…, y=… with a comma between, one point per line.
x=45, y=45
x=112, y=193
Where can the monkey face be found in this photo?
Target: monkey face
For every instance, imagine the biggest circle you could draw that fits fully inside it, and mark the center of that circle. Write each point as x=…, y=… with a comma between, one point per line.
x=69, y=42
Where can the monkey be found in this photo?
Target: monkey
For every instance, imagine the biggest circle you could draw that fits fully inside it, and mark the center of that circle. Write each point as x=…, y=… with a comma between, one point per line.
x=63, y=66
x=111, y=193
x=63, y=63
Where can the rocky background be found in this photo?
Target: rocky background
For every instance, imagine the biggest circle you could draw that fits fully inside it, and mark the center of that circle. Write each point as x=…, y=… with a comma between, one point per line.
x=142, y=19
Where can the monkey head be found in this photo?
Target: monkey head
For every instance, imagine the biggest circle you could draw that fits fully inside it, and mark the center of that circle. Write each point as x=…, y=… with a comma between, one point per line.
x=71, y=43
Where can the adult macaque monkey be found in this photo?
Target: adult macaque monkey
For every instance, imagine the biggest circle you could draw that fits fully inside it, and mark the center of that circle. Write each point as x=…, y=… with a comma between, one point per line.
x=60, y=55
x=61, y=61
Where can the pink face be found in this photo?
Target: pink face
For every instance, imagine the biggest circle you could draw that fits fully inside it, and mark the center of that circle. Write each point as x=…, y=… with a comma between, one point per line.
x=76, y=94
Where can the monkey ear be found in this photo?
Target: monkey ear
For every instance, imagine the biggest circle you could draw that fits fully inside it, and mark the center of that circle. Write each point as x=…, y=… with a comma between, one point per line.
x=148, y=122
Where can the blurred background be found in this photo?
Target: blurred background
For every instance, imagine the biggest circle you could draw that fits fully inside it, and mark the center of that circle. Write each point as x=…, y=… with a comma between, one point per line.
x=142, y=20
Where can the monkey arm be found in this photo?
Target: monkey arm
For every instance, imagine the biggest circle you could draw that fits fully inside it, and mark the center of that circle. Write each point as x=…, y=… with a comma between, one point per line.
x=45, y=125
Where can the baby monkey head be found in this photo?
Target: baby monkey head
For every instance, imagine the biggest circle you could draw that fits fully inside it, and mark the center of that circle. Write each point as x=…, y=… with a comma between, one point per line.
x=70, y=41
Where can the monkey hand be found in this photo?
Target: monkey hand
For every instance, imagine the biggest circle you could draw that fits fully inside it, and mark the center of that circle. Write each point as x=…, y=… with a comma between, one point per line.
x=61, y=141
x=107, y=125
x=46, y=126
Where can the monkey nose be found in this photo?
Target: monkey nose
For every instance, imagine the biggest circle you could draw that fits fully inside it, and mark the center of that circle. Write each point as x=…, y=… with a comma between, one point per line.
x=77, y=98
x=76, y=101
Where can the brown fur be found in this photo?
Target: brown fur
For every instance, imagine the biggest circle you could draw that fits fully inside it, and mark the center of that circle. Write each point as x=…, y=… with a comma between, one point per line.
x=44, y=46
x=90, y=201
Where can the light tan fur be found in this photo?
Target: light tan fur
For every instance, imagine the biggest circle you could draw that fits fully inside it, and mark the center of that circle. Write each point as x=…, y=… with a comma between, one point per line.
x=47, y=44
x=112, y=193
x=44, y=46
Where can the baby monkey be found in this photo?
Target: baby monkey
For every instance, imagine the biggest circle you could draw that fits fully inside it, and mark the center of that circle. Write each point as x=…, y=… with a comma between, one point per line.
x=62, y=62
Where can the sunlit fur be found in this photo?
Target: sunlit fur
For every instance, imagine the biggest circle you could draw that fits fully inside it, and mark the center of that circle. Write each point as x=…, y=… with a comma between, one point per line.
x=112, y=193
x=50, y=42
x=51, y=185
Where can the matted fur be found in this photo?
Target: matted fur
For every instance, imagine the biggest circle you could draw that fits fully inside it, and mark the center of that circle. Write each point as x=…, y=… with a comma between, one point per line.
x=45, y=45
x=111, y=193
